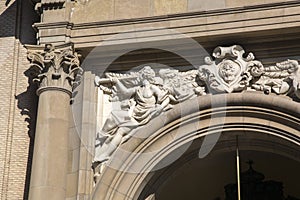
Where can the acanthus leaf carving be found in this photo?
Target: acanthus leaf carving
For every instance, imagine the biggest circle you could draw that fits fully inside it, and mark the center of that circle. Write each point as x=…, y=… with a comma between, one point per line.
x=54, y=68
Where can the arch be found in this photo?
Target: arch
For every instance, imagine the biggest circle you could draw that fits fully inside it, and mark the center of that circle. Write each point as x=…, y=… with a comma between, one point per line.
x=173, y=133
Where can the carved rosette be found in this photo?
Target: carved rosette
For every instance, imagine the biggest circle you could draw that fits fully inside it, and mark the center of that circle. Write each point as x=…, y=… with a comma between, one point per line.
x=54, y=68
x=230, y=71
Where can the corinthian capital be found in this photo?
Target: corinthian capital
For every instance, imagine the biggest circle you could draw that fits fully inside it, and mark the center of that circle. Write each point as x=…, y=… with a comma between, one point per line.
x=54, y=68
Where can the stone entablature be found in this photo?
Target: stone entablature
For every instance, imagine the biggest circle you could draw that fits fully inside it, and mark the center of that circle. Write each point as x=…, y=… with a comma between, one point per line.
x=141, y=96
x=54, y=68
x=192, y=24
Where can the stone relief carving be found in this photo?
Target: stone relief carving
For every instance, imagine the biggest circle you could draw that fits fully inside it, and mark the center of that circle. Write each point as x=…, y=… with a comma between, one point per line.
x=145, y=94
x=282, y=78
x=139, y=97
x=55, y=68
x=230, y=71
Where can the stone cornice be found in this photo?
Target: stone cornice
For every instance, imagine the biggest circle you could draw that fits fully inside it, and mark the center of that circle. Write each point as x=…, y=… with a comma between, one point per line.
x=54, y=68
x=64, y=24
x=189, y=15
x=178, y=16
x=193, y=25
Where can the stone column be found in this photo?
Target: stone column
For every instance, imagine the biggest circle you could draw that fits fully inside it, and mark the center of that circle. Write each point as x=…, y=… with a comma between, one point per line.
x=55, y=70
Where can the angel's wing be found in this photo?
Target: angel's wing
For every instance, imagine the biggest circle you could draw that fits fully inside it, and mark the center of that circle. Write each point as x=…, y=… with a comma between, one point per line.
x=182, y=85
x=188, y=76
x=189, y=82
x=281, y=70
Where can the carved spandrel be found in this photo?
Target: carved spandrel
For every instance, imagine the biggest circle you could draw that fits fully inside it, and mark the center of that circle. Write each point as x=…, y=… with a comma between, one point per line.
x=54, y=68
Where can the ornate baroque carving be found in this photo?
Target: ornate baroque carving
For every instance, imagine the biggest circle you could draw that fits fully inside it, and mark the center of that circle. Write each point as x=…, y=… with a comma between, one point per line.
x=230, y=71
x=145, y=94
x=54, y=68
x=282, y=78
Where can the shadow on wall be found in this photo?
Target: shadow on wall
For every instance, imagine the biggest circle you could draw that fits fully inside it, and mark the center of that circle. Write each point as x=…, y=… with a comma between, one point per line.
x=27, y=103
x=16, y=20
x=22, y=16
x=7, y=2
x=7, y=20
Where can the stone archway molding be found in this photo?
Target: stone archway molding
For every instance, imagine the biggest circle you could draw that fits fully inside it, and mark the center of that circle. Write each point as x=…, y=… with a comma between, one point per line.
x=171, y=132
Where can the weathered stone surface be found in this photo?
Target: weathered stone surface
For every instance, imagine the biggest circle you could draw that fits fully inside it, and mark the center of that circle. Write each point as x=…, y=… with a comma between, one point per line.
x=126, y=9
x=162, y=7
x=103, y=11
x=204, y=5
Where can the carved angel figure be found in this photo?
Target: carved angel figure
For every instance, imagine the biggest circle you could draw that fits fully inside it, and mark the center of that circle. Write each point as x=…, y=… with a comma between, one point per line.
x=283, y=78
x=139, y=103
x=138, y=97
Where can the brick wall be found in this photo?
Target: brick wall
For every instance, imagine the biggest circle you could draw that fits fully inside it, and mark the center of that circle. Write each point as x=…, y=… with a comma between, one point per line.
x=17, y=99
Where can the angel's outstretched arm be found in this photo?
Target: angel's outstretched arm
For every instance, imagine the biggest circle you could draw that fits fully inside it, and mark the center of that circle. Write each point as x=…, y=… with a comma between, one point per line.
x=117, y=88
x=122, y=89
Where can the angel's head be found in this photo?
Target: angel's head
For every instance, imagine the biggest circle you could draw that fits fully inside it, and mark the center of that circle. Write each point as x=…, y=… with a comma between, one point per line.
x=147, y=73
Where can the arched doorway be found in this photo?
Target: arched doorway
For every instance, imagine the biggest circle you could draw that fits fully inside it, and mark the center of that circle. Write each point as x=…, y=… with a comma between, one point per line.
x=266, y=125
x=272, y=172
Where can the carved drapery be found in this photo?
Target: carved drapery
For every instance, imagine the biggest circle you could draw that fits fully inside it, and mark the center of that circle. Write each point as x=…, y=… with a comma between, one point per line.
x=145, y=94
x=54, y=68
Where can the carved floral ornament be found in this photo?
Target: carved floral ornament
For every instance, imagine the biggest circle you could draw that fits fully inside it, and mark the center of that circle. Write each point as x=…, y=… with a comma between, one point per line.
x=142, y=95
x=54, y=68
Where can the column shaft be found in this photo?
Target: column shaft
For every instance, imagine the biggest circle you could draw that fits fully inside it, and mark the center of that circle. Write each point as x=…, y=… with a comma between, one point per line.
x=50, y=158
